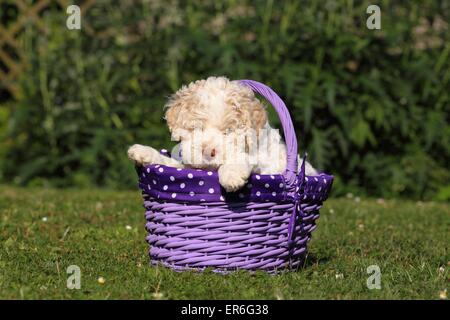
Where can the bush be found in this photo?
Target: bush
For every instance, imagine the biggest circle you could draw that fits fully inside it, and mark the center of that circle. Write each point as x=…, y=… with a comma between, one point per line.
x=370, y=106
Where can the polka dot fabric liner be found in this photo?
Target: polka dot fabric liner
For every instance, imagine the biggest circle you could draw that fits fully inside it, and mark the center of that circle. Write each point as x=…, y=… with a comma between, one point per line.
x=195, y=185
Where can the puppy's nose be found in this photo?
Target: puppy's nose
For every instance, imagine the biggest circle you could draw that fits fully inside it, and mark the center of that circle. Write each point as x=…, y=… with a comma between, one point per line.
x=208, y=152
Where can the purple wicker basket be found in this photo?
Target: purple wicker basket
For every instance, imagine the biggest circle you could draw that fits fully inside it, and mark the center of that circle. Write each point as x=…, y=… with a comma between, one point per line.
x=193, y=223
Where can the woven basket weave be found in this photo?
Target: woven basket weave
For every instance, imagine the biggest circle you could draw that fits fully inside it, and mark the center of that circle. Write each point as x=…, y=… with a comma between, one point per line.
x=194, y=224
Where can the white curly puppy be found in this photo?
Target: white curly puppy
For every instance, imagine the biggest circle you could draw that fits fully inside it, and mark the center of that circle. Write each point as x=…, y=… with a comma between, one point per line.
x=221, y=126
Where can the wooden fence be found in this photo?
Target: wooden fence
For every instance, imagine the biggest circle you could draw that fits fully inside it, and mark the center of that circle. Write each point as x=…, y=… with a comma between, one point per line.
x=12, y=61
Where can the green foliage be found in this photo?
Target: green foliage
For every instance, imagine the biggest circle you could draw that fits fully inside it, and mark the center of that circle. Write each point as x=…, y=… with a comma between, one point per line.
x=370, y=106
x=444, y=194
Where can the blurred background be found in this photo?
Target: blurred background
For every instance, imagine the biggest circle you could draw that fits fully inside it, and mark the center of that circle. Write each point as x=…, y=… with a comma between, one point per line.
x=372, y=107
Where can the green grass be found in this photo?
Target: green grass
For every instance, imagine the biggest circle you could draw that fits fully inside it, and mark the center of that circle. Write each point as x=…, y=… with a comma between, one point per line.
x=408, y=240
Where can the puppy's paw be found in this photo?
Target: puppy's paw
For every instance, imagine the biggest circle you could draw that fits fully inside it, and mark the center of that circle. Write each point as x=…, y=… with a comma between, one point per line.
x=232, y=178
x=143, y=155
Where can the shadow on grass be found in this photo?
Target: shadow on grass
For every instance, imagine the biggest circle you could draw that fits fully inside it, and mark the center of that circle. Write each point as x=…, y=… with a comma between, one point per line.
x=312, y=259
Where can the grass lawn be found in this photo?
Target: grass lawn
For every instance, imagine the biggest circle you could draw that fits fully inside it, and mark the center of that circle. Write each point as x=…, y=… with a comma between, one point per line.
x=42, y=232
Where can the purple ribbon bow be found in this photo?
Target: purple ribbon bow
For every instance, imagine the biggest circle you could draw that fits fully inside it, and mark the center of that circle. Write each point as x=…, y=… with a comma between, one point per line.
x=298, y=183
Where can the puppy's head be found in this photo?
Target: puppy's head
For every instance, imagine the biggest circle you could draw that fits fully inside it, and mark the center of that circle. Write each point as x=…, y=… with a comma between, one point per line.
x=207, y=114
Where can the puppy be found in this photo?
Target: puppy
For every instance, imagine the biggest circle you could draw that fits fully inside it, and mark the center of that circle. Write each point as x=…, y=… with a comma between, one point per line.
x=221, y=126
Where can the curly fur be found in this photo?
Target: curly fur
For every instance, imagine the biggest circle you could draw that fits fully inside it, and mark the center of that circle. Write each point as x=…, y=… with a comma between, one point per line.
x=201, y=114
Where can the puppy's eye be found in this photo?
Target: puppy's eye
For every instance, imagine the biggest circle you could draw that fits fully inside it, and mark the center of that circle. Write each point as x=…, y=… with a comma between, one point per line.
x=229, y=127
x=235, y=128
x=194, y=126
x=227, y=131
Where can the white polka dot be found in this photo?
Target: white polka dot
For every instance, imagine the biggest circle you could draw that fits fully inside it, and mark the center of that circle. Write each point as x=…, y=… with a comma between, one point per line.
x=222, y=198
x=211, y=190
x=325, y=181
x=281, y=185
x=143, y=174
x=306, y=178
x=258, y=177
x=165, y=187
x=172, y=178
x=274, y=194
x=258, y=193
x=201, y=182
x=191, y=193
x=190, y=175
x=266, y=185
x=154, y=181
x=161, y=170
x=202, y=200
x=209, y=173
x=149, y=187
x=163, y=150
x=148, y=170
x=315, y=179
x=157, y=166
x=272, y=177
x=179, y=169
x=182, y=186
x=174, y=195
x=320, y=189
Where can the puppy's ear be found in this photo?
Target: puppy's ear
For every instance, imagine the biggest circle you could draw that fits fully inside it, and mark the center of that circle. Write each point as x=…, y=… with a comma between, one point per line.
x=179, y=109
x=258, y=119
x=178, y=113
x=173, y=109
x=258, y=114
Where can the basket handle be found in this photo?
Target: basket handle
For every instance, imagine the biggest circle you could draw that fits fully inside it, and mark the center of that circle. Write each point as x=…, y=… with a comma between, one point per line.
x=286, y=122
